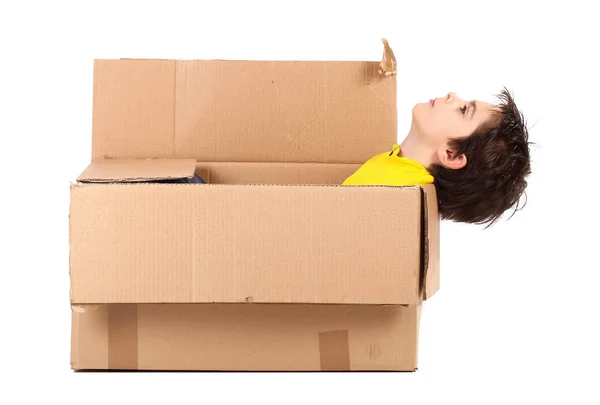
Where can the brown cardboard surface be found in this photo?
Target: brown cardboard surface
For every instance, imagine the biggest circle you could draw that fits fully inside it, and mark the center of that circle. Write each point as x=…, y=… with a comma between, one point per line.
x=122, y=336
x=252, y=337
x=89, y=336
x=133, y=114
x=432, y=242
x=144, y=243
x=243, y=111
x=270, y=266
x=334, y=350
x=275, y=173
x=132, y=170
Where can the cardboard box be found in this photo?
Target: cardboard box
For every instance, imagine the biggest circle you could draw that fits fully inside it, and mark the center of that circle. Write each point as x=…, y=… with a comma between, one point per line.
x=272, y=265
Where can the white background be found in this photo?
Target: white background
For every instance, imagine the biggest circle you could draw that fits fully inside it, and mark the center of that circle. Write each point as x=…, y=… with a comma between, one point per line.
x=516, y=318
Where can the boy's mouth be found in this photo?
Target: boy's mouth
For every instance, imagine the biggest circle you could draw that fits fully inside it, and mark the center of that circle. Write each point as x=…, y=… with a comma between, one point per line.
x=432, y=102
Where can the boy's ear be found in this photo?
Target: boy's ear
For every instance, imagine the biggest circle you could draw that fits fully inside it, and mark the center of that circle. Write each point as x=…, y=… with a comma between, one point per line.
x=450, y=159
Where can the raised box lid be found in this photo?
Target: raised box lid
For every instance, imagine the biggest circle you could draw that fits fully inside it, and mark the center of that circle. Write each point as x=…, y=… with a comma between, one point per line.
x=244, y=111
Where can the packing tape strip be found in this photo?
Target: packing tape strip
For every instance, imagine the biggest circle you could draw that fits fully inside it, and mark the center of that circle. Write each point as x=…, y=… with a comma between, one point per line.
x=122, y=337
x=334, y=350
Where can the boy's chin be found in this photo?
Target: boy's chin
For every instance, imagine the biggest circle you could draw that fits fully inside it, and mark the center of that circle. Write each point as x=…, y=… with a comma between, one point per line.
x=422, y=107
x=420, y=111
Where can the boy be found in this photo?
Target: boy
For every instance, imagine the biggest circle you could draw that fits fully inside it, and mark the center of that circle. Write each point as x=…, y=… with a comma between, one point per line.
x=475, y=153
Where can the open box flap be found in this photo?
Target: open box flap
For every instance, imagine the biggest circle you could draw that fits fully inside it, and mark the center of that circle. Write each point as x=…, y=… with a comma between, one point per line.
x=135, y=170
x=244, y=111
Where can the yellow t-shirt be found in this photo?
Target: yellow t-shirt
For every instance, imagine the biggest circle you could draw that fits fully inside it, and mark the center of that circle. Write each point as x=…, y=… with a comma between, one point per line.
x=390, y=169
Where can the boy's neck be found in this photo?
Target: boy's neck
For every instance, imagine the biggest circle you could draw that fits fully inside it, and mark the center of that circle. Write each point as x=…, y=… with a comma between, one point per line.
x=414, y=149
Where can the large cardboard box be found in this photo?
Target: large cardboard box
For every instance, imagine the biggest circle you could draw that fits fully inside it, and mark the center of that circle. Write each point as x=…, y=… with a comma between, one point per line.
x=272, y=265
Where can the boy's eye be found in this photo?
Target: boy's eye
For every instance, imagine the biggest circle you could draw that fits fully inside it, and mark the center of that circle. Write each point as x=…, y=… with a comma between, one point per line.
x=463, y=109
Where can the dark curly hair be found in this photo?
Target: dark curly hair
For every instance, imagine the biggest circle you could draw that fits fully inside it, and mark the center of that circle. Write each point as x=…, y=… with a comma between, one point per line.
x=494, y=177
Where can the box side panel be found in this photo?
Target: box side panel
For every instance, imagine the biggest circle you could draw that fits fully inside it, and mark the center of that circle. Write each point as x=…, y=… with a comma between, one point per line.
x=432, y=240
x=149, y=243
x=270, y=337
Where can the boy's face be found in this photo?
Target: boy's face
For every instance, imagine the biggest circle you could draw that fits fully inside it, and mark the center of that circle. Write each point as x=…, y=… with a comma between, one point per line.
x=450, y=117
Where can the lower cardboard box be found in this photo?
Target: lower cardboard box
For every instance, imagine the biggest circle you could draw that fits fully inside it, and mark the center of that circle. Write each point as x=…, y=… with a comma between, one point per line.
x=245, y=337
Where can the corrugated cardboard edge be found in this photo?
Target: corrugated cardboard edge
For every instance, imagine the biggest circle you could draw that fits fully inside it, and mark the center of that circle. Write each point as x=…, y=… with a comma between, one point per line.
x=334, y=350
x=135, y=170
x=430, y=276
x=424, y=245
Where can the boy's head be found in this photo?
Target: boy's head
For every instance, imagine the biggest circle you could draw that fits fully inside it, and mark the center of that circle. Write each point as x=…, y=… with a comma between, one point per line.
x=478, y=154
